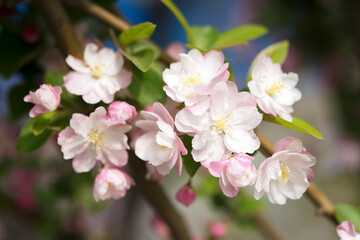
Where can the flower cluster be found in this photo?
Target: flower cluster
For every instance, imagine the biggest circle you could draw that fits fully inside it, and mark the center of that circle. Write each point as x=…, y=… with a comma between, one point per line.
x=221, y=121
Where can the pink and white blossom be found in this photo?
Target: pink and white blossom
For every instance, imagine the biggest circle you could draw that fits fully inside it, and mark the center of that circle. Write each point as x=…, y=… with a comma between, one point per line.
x=286, y=174
x=153, y=174
x=121, y=112
x=46, y=99
x=228, y=126
x=99, y=76
x=274, y=90
x=186, y=195
x=159, y=145
x=93, y=138
x=234, y=173
x=192, y=79
x=346, y=231
x=111, y=183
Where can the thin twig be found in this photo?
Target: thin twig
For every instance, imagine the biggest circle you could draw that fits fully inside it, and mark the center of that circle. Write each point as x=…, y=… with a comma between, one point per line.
x=320, y=200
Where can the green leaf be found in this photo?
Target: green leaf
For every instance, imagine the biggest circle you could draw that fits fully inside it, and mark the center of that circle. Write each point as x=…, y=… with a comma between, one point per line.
x=147, y=87
x=346, y=212
x=277, y=51
x=41, y=122
x=27, y=141
x=296, y=124
x=204, y=36
x=142, y=30
x=239, y=35
x=180, y=17
x=54, y=78
x=189, y=163
x=17, y=106
x=141, y=57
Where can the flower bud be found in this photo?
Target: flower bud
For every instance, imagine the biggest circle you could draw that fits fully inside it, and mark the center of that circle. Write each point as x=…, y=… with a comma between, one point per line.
x=46, y=99
x=186, y=195
x=218, y=230
x=121, y=112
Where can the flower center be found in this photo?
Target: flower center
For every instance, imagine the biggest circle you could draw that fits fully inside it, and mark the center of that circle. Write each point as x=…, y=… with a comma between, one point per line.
x=276, y=87
x=221, y=124
x=193, y=80
x=97, y=69
x=284, y=171
x=95, y=139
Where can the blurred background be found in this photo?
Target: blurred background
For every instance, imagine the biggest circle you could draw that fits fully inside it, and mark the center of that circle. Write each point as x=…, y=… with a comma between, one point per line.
x=42, y=198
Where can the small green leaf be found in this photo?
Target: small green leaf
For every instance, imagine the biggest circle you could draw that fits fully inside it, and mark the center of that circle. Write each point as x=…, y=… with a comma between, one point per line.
x=17, y=106
x=204, y=36
x=277, y=51
x=142, y=30
x=189, y=163
x=239, y=35
x=54, y=78
x=27, y=141
x=346, y=212
x=180, y=17
x=41, y=122
x=296, y=124
x=147, y=87
x=141, y=57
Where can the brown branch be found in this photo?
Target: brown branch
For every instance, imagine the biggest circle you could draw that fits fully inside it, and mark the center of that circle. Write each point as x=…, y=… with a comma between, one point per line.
x=109, y=19
x=59, y=23
x=320, y=200
x=266, y=227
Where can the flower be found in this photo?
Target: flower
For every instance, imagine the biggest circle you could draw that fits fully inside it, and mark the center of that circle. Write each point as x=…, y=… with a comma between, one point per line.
x=234, y=173
x=174, y=50
x=227, y=127
x=111, y=183
x=99, y=77
x=153, y=174
x=218, y=229
x=346, y=231
x=274, y=90
x=121, y=112
x=160, y=145
x=92, y=138
x=286, y=174
x=46, y=99
x=192, y=79
x=186, y=195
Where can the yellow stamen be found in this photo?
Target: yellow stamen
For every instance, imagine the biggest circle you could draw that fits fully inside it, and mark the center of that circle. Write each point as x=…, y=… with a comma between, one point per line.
x=162, y=147
x=221, y=125
x=193, y=80
x=284, y=171
x=276, y=87
x=95, y=139
x=96, y=70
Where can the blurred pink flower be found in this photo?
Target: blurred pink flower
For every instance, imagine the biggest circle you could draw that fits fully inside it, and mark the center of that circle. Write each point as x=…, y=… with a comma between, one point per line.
x=46, y=99
x=186, y=195
x=121, y=112
x=346, y=231
x=111, y=183
x=218, y=229
x=175, y=49
x=160, y=227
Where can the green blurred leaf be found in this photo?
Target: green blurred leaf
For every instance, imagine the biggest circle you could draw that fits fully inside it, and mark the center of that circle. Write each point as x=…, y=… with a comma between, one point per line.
x=27, y=141
x=147, y=87
x=180, y=17
x=204, y=37
x=239, y=35
x=346, y=212
x=140, y=54
x=41, y=122
x=142, y=30
x=54, y=78
x=296, y=124
x=277, y=51
x=189, y=163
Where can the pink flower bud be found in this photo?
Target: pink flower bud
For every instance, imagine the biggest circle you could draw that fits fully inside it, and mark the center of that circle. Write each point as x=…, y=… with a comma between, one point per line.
x=175, y=49
x=218, y=229
x=30, y=34
x=111, y=183
x=161, y=227
x=186, y=195
x=46, y=99
x=121, y=112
